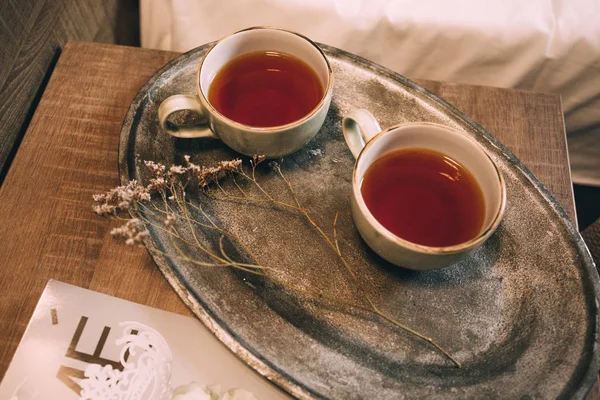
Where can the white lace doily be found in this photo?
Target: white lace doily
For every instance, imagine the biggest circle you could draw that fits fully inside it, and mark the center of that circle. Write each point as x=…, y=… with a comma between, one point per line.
x=146, y=375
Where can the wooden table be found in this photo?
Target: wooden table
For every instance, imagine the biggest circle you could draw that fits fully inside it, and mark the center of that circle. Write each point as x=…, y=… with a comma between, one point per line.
x=69, y=152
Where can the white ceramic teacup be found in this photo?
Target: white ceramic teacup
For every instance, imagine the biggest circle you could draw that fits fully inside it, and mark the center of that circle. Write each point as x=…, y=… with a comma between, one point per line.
x=368, y=142
x=270, y=141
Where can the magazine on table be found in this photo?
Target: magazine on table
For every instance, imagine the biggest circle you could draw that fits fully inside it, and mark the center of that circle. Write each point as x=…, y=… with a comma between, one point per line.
x=81, y=344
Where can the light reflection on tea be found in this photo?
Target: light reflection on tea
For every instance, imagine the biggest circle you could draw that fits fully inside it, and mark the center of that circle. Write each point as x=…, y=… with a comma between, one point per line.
x=425, y=197
x=265, y=89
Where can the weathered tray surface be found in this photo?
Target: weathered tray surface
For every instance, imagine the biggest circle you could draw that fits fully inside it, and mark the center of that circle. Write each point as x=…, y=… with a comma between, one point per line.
x=521, y=315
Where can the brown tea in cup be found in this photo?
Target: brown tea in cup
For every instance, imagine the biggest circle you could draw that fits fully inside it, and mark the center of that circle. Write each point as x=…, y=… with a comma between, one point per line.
x=424, y=197
x=265, y=89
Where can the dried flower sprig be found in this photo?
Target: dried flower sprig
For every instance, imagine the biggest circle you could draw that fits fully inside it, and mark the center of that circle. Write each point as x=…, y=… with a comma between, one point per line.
x=170, y=184
x=133, y=232
x=120, y=198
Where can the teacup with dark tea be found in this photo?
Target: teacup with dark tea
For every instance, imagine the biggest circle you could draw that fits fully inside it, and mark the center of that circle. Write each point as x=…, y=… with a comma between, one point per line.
x=262, y=90
x=424, y=195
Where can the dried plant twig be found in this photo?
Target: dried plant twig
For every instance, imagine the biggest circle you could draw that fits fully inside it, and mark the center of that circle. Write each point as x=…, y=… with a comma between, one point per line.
x=175, y=215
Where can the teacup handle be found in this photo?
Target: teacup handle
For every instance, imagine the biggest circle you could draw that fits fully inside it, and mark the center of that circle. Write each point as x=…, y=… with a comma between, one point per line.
x=359, y=127
x=182, y=102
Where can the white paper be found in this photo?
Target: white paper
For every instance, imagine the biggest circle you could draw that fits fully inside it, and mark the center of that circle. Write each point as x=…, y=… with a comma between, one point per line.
x=52, y=356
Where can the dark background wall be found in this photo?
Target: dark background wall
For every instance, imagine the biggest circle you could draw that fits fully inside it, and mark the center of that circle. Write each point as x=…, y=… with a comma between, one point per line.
x=32, y=34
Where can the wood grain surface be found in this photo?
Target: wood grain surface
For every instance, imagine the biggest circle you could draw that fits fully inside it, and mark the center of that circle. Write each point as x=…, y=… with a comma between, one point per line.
x=70, y=152
x=32, y=33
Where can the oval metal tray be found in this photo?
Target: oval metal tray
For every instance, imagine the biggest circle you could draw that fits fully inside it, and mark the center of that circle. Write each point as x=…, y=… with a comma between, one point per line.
x=521, y=315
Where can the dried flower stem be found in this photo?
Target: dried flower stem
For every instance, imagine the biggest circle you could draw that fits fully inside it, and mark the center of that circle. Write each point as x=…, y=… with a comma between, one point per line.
x=336, y=248
x=171, y=184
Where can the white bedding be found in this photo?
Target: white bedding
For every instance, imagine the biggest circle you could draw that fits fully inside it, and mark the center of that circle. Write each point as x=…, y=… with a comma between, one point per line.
x=540, y=45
